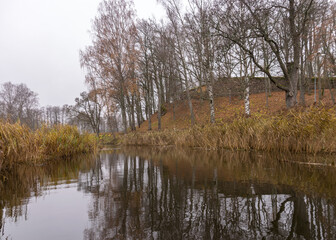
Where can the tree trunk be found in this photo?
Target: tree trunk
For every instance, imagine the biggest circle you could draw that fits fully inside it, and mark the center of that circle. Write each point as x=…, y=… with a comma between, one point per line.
x=302, y=81
x=211, y=97
x=130, y=112
x=330, y=90
x=247, y=96
x=319, y=82
x=152, y=103
x=293, y=67
x=290, y=99
x=159, y=107
x=133, y=112
x=149, y=107
x=293, y=82
x=266, y=90
x=123, y=112
x=302, y=90
x=173, y=110
x=186, y=82
x=162, y=89
x=138, y=109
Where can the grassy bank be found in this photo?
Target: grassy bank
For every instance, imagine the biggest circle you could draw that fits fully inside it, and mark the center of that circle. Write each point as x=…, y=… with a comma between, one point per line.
x=20, y=144
x=310, y=130
x=226, y=109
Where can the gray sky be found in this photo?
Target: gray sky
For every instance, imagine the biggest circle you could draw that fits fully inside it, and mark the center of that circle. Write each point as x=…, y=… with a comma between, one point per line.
x=40, y=42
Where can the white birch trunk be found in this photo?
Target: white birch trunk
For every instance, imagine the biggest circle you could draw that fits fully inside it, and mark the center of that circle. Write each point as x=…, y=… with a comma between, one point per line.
x=247, y=97
x=209, y=83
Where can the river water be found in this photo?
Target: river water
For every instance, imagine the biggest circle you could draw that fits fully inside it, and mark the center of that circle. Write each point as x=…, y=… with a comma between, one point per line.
x=144, y=193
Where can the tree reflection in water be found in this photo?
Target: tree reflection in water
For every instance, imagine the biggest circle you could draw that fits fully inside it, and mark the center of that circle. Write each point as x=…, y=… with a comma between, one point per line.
x=150, y=194
x=22, y=183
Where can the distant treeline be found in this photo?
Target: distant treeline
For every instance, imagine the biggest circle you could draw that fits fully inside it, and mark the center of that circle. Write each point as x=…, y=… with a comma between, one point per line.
x=20, y=104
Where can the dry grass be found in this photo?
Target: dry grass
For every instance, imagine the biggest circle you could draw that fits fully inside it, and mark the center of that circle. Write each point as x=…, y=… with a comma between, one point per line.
x=20, y=144
x=310, y=130
x=226, y=110
x=65, y=141
x=109, y=139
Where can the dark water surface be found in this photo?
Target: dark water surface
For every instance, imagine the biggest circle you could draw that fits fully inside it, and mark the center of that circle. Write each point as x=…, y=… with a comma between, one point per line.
x=170, y=194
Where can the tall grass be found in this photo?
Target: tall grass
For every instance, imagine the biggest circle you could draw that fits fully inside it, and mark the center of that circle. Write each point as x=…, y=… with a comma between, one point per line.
x=310, y=130
x=20, y=144
x=64, y=142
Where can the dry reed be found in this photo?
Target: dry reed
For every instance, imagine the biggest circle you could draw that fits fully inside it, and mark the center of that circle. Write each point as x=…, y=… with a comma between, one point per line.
x=20, y=144
x=310, y=130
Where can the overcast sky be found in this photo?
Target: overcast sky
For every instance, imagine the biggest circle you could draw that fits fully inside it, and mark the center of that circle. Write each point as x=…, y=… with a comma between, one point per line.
x=40, y=42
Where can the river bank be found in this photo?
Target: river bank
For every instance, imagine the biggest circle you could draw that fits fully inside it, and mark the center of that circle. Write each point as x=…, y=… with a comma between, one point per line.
x=308, y=130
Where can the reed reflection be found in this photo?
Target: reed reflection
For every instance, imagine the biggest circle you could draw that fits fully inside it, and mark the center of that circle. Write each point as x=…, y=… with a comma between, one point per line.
x=21, y=183
x=150, y=194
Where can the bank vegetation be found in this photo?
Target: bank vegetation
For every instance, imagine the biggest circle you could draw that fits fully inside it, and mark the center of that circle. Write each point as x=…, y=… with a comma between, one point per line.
x=310, y=130
x=20, y=144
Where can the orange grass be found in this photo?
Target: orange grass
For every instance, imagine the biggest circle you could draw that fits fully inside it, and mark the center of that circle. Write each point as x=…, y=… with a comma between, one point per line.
x=224, y=110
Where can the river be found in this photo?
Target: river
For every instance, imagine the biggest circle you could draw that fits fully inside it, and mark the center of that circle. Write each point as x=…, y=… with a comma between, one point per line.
x=149, y=193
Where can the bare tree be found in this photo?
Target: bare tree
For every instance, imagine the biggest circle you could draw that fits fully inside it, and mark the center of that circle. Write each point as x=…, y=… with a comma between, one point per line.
x=203, y=46
x=176, y=20
x=112, y=56
x=88, y=110
x=279, y=24
x=18, y=103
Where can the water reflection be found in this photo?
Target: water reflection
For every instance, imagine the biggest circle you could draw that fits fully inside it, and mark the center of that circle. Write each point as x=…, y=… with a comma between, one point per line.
x=197, y=195
x=190, y=194
x=22, y=184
